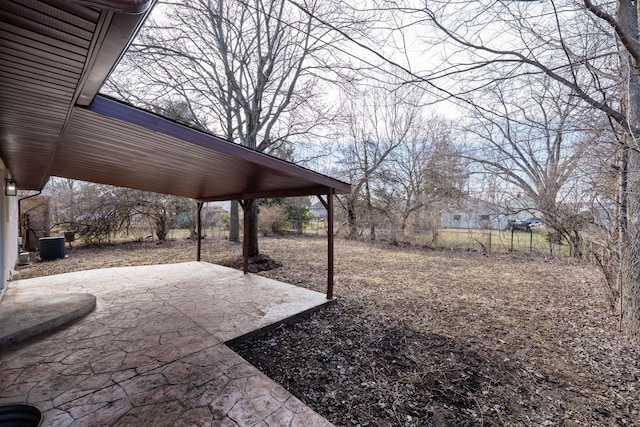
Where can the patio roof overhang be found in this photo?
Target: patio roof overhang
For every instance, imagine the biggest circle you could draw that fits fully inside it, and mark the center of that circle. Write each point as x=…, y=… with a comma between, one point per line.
x=54, y=56
x=113, y=143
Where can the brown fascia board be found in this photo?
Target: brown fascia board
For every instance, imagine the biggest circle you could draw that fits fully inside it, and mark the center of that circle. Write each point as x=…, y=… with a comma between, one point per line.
x=321, y=184
x=114, y=36
x=307, y=191
x=132, y=7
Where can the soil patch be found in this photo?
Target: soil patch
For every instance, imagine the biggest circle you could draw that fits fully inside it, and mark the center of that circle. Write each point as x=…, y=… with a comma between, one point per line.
x=256, y=263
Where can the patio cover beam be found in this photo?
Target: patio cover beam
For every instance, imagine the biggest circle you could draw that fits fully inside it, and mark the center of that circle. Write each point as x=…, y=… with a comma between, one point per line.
x=247, y=205
x=328, y=204
x=198, y=257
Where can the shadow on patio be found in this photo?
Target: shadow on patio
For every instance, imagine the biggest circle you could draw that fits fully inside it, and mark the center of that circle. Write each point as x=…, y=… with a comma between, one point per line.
x=153, y=352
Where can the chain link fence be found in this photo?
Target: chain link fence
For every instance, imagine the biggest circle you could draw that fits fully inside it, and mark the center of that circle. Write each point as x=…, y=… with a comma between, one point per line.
x=534, y=240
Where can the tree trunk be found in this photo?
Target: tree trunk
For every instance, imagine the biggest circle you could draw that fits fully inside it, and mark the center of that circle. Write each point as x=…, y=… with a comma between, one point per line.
x=367, y=194
x=372, y=224
x=161, y=228
x=193, y=232
x=620, y=216
x=576, y=244
x=630, y=256
x=351, y=220
x=403, y=224
x=253, y=230
x=234, y=222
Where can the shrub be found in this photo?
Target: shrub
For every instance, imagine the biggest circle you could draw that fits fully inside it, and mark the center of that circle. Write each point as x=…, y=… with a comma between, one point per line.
x=271, y=220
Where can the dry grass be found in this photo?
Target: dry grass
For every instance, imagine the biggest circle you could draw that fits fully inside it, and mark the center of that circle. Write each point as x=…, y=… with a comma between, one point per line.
x=423, y=337
x=132, y=253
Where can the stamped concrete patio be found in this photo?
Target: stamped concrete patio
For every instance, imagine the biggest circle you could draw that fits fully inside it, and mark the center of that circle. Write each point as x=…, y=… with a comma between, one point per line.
x=153, y=354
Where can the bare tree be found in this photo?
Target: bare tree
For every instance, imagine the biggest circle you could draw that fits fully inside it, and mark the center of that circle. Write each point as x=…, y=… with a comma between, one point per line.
x=161, y=209
x=534, y=138
x=99, y=213
x=378, y=121
x=250, y=67
x=104, y=212
x=423, y=172
x=64, y=207
x=590, y=47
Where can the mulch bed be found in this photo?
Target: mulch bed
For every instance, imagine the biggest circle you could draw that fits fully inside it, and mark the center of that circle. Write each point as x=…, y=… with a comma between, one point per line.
x=256, y=264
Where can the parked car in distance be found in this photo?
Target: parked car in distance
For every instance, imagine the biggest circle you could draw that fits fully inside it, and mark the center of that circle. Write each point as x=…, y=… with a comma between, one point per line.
x=532, y=222
x=524, y=224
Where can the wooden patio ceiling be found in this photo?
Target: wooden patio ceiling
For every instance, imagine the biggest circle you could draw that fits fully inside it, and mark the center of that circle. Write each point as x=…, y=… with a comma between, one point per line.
x=54, y=56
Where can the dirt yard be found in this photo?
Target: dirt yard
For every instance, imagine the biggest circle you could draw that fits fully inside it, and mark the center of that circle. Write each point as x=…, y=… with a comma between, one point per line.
x=431, y=338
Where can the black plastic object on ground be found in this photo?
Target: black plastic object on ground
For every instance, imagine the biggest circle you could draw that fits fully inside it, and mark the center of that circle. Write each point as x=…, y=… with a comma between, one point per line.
x=20, y=416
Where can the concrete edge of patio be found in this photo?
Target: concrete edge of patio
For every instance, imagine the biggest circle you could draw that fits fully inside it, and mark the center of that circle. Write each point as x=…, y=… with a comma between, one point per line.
x=26, y=316
x=278, y=324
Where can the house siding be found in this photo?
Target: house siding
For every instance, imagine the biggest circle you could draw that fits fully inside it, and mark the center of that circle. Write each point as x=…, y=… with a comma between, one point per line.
x=8, y=235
